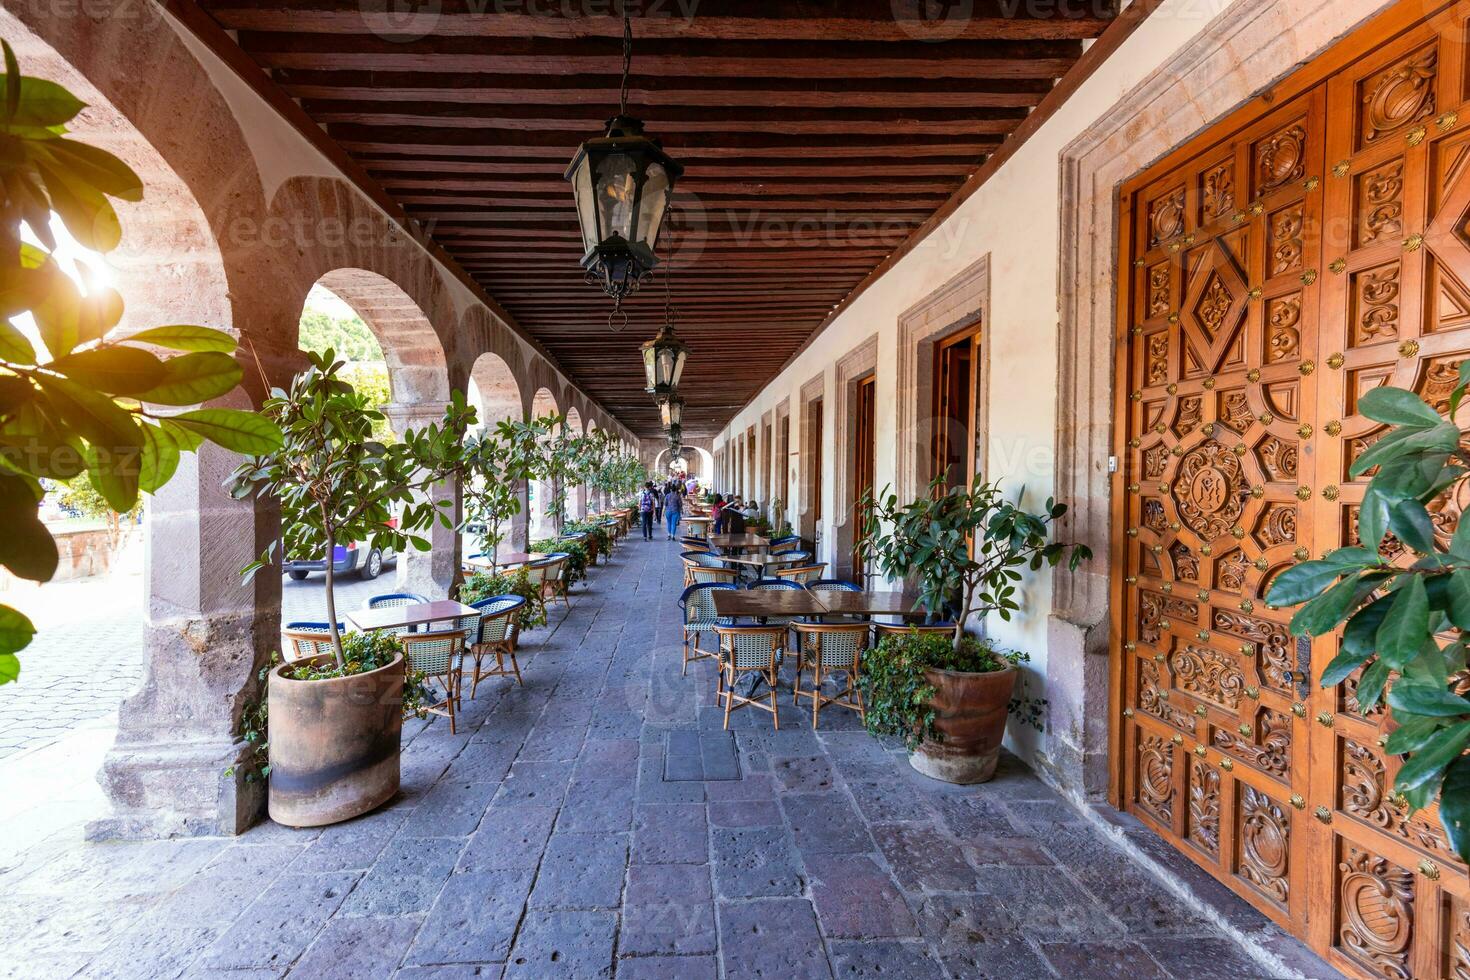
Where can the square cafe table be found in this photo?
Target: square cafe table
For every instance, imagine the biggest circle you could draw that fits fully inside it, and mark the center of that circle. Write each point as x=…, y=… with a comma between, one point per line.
x=870, y=603
x=775, y=602
x=390, y=617
x=738, y=541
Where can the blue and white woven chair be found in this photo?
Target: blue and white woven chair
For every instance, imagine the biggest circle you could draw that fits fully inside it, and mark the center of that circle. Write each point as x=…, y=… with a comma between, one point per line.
x=745, y=650
x=789, y=543
x=829, y=647
x=439, y=656
x=392, y=599
x=801, y=574
x=497, y=638
x=698, y=605
x=555, y=585
x=304, y=639
x=773, y=585
x=699, y=573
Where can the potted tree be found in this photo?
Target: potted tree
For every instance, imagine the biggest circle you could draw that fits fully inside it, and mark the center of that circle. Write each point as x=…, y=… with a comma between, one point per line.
x=75, y=398
x=948, y=694
x=335, y=719
x=495, y=465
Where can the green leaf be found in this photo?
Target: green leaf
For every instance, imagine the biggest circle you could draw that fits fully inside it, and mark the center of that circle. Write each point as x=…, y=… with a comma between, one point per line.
x=1409, y=520
x=1372, y=518
x=12, y=82
x=14, y=347
x=241, y=432
x=1458, y=597
x=1370, y=685
x=96, y=167
x=1427, y=766
x=115, y=370
x=84, y=209
x=1411, y=735
x=160, y=458
x=1327, y=610
x=44, y=104
x=1454, y=805
x=1342, y=666
x=193, y=379
x=9, y=668
x=187, y=338
x=1434, y=700
x=1395, y=406
x=1302, y=582
x=26, y=547
x=15, y=634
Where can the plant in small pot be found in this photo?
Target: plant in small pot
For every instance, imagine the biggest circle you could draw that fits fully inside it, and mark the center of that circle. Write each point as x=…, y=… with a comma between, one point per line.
x=965, y=547
x=336, y=719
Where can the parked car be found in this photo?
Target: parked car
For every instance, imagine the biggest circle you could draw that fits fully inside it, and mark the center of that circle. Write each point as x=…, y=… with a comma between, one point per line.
x=359, y=557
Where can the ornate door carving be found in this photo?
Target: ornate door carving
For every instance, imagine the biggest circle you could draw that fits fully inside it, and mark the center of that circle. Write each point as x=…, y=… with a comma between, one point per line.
x=1299, y=254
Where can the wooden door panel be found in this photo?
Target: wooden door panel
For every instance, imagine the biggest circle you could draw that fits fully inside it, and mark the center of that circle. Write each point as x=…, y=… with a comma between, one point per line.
x=1314, y=248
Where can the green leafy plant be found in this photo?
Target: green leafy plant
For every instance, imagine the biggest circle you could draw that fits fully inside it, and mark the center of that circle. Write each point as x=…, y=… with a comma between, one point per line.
x=496, y=463
x=899, y=699
x=964, y=545
x=1404, y=625
x=594, y=531
x=576, y=552
x=482, y=586
x=78, y=403
x=336, y=484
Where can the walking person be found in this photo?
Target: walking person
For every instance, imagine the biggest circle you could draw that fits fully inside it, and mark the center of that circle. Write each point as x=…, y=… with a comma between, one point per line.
x=673, y=510
x=658, y=504
x=645, y=510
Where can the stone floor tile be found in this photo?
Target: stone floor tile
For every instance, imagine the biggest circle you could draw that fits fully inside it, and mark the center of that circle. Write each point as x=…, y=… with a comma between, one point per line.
x=565, y=945
x=885, y=960
x=825, y=823
x=1003, y=959
x=508, y=837
x=856, y=899
x=923, y=858
x=278, y=926
x=772, y=937
x=803, y=774
x=361, y=948
x=1104, y=960
x=535, y=784
x=672, y=833
x=745, y=813
x=669, y=910
x=755, y=861
x=669, y=968
x=581, y=871
x=1048, y=904
x=474, y=918
x=406, y=878
x=1202, y=958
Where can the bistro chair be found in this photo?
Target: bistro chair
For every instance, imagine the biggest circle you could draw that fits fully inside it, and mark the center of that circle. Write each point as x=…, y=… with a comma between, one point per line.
x=555, y=585
x=696, y=530
x=774, y=585
x=304, y=640
x=698, y=605
x=745, y=650
x=789, y=543
x=792, y=556
x=801, y=574
x=439, y=656
x=535, y=574
x=497, y=638
x=699, y=573
x=694, y=544
x=827, y=647
x=392, y=599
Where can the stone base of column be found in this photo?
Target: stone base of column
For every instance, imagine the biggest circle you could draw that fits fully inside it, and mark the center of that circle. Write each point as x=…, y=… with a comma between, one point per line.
x=170, y=790
x=1077, y=723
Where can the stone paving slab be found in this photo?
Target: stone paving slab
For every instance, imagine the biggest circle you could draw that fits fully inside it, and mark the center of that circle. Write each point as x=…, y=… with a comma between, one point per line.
x=545, y=840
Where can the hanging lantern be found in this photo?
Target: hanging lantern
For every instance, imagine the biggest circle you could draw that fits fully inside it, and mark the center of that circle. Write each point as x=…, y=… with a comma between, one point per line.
x=623, y=182
x=671, y=407
x=663, y=361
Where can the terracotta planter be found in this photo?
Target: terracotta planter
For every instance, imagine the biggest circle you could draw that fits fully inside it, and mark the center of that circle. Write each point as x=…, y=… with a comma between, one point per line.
x=334, y=744
x=970, y=713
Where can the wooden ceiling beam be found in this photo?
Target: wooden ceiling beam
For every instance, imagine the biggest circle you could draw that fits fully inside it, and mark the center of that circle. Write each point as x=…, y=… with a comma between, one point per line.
x=557, y=56
x=852, y=20
x=388, y=167
x=873, y=182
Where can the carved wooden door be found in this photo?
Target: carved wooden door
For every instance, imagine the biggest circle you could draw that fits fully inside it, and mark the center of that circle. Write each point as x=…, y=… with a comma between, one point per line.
x=1303, y=252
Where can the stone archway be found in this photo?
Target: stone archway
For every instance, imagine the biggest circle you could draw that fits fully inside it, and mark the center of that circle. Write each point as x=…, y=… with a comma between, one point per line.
x=496, y=394
x=543, y=403
x=418, y=381
x=577, y=496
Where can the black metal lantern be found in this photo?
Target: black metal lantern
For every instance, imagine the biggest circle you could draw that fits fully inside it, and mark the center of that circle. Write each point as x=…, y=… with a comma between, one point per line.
x=663, y=362
x=623, y=182
x=671, y=407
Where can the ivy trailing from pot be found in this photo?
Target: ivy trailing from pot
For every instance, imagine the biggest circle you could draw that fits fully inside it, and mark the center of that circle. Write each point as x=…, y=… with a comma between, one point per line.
x=76, y=399
x=1405, y=622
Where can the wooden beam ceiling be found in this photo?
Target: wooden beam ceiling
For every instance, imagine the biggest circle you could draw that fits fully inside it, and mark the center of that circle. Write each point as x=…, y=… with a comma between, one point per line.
x=818, y=136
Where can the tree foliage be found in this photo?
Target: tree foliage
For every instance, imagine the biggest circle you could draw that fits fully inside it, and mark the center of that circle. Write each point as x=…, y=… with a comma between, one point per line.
x=1404, y=625
x=336, y=484
x=497, y=462
x=965, y=545
x=77, y=406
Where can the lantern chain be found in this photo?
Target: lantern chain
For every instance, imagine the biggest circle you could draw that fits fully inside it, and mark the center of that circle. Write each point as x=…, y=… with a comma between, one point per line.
x=627, y=60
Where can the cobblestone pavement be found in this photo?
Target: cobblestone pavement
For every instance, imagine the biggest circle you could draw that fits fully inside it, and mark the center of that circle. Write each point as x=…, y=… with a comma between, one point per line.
x=598, y=823
x=88, y=651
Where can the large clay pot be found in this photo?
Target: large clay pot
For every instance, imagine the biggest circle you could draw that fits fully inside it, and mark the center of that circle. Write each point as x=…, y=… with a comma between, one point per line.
x=970, y=713
x=334, y=744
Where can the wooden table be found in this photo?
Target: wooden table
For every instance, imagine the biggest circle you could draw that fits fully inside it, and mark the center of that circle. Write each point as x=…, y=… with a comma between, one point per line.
x=503, y=560
x=769, y=602
x=389, y=617
x=739, y=541
x=871, y=603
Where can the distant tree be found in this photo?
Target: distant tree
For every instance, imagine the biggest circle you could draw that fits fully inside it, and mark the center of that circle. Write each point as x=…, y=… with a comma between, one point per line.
x=348, y=336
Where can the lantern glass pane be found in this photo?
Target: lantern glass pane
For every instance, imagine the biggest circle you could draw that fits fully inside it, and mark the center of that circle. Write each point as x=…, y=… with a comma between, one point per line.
x=653, y=204
x=678, y=368
x=649, y=366
x=665, y=371
x=617, y=195
x=586, y=211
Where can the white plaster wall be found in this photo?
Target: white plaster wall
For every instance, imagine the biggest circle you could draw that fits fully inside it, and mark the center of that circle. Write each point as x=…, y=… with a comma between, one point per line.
x=1015, y=217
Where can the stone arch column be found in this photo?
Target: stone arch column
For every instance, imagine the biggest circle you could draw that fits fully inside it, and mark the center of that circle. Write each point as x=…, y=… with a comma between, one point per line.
x=544, y=402
x=501, y=399
x=576, y=496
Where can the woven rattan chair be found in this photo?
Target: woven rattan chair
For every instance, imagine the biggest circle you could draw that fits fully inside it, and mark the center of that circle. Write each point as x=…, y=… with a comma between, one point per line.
x=745, y=650
x=694, y=544
x=439, y=657
x=698, y=605
x=789, y=543
x=801, y=574
x=828, y=647
x=699, y=573
x=496, y=638
x=773, y=585
x=554, y=586
x=392, y=599
x=304, y=640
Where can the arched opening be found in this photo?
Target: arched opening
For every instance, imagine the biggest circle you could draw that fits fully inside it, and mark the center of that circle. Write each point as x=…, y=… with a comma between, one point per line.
x=393, y=354
x=576, y=496
x=496, y=396
x=543, y=403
